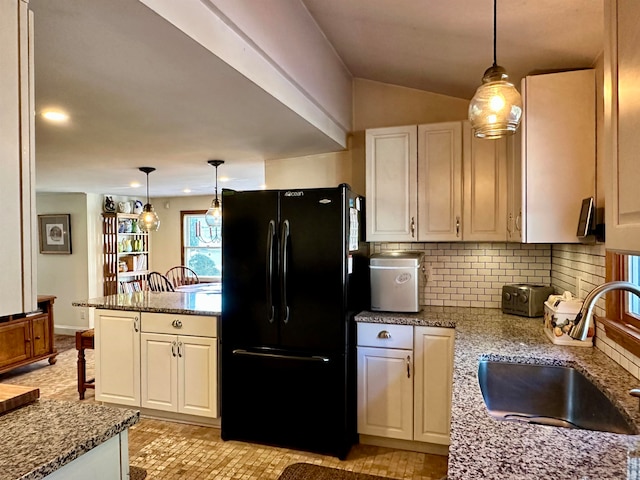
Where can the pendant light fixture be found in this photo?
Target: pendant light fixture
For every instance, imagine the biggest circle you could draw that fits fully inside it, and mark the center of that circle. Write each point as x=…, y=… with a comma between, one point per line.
x=213, y=217
x=148, y=219
x=496, y=107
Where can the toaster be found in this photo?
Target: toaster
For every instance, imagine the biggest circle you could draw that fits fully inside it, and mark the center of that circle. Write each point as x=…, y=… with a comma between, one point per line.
x=525, y=300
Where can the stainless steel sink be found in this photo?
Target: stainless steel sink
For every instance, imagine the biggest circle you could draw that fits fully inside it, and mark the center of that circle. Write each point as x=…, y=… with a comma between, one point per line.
x=548, y=395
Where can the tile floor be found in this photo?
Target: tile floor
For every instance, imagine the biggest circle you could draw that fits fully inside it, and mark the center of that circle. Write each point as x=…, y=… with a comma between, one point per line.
x=169, y=450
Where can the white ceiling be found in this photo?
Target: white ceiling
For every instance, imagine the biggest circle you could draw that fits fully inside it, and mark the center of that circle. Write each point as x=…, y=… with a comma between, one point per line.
x=141, y=93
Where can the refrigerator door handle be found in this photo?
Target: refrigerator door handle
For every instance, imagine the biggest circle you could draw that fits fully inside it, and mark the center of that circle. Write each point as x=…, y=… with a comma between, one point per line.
x=284, y=238
x=312, y=358
x=270, y=236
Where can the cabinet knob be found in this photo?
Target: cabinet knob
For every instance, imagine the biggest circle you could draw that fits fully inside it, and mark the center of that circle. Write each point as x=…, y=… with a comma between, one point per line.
x=38, y=337
x=177, y=323
x=384, y=334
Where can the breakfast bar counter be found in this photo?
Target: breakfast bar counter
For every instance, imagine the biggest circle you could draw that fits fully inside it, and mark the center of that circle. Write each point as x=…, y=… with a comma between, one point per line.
x=45, y=436
x=482, y=447
x=187, y=303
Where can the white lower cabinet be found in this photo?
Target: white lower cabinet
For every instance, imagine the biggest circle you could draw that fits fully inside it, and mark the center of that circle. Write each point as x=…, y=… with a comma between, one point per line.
x=117, y=357
x=179, y=372
x=433, y=374
x=404, y=382
x=158, y=361
x=385, y=392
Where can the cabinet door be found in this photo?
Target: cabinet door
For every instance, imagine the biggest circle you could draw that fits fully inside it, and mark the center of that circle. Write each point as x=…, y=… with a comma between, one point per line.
x=391, y=172
x=558, y=153
x=622, y=124
x=385, y=392
x=198, y=376
x=40, y=335
x=514, y=187
x=440, y=182
x=485, y=188
x=17, y=182
x=117, y=357
x=159, y=371
x=15, y=342
x=433, y=350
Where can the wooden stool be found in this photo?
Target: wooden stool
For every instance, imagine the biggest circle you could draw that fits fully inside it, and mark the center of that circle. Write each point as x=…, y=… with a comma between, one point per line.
x=84, y=340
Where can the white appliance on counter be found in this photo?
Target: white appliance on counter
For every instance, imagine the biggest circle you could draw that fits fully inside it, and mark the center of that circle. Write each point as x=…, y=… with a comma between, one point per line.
x=396, y=281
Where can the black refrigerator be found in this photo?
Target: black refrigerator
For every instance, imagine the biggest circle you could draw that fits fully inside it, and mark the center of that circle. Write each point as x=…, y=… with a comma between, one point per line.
x=295, y=272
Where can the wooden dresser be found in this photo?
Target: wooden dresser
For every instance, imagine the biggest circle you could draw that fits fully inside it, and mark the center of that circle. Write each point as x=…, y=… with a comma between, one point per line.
x=28, y=338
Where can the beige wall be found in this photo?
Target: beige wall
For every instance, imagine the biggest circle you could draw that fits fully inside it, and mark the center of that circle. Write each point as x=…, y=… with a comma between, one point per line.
x=375, y=104
x=76, y=276
x=378, y=104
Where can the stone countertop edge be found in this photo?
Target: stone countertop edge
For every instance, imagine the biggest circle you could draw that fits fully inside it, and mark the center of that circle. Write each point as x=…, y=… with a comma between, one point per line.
x=42, y=437
x=187, y=303
x=482, y=447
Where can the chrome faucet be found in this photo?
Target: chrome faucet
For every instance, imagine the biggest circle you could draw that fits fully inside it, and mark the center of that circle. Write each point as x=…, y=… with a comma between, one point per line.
x=581, y=324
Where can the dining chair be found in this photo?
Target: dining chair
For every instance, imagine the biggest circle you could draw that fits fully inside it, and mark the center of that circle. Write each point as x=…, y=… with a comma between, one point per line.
x=159, y=283
x=182, y=275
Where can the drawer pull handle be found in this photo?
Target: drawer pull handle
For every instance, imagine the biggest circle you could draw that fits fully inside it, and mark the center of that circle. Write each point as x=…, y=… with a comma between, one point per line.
x=408, y=366
x=384, y=334
x=177, y=323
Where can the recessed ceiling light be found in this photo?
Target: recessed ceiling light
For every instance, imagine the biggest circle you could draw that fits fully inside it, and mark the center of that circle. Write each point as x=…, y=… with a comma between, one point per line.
x=134, y=184
x=186, y=190
x=224, y=179
x=55, y=116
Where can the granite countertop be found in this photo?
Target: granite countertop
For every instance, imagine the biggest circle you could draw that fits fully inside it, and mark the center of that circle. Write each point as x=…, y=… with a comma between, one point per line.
x=42, y=437
x=482, y=447
x=190, y=303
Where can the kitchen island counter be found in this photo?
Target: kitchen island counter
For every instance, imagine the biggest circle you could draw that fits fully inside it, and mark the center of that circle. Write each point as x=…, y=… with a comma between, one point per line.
x=189, y=303
x=40, y=438
x=482, y=447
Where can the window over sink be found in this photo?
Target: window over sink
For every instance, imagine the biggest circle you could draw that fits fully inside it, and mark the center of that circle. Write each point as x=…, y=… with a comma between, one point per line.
x=622, y=322
x=201, y=245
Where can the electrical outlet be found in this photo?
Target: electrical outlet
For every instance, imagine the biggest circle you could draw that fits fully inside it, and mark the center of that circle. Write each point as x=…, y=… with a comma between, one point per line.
x=579, y=284
x=82, y=315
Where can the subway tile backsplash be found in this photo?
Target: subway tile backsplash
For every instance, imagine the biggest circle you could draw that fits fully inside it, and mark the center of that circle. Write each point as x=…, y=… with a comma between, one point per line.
x=472, y=275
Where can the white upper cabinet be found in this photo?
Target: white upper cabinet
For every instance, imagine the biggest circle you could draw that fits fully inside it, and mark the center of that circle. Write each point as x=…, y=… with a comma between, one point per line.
x=440, y=182
x=622, y=124
x=485, y=187
x=17, y=183
x=391, y=176
x=415, y=189
x=558, y=153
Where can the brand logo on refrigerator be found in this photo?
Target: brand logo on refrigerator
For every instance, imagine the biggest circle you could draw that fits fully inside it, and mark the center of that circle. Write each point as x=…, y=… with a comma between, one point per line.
x=299, y=193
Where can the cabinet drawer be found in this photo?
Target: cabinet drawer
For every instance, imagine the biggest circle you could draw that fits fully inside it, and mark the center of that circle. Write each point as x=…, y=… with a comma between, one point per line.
x=176, y=324
x=385, y=335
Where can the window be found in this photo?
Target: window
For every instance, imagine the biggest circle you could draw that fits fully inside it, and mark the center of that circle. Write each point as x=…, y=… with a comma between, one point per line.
x=201, y=246
x=622, y=322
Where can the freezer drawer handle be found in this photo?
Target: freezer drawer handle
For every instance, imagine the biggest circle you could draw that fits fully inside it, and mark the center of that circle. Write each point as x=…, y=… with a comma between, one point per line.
x=271, y=308
x=384, y=334
x=313, y=358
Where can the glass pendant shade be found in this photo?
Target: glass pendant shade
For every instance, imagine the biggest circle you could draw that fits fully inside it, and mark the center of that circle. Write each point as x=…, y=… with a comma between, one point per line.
x=148, y=219
x=496, y=108
x=213, y=217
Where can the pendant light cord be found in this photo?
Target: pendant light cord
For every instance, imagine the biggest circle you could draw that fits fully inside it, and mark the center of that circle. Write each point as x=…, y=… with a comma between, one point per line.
x=495, y=21
x=217, y=183
x=147, y=188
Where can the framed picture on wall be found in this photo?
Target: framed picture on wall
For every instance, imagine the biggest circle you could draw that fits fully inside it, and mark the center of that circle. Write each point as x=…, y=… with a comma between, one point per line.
x=55, y=233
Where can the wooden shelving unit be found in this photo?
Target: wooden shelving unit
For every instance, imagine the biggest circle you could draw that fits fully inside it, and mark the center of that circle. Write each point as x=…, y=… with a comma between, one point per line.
x=124, y=247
